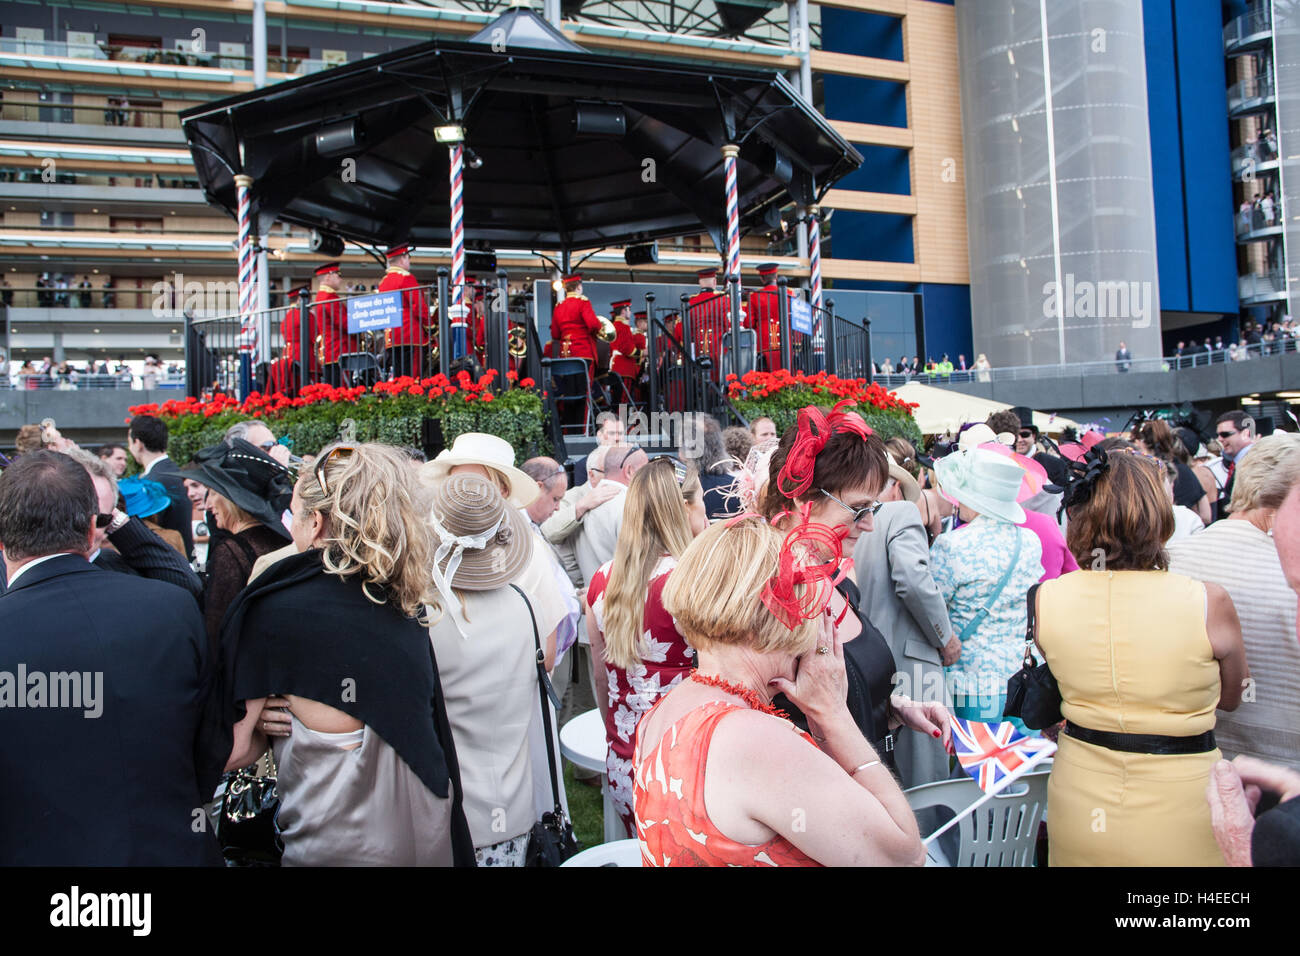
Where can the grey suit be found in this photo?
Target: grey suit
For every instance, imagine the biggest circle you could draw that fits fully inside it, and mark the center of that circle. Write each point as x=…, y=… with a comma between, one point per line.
x=900, y=598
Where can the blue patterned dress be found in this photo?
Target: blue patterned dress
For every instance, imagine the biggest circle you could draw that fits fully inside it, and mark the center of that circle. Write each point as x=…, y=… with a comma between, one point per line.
x=967, y=565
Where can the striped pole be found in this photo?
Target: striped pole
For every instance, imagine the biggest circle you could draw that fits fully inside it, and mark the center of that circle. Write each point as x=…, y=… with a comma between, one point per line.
x=457, y=313
x=247, y=280
x=729, y=154
x=815, y=254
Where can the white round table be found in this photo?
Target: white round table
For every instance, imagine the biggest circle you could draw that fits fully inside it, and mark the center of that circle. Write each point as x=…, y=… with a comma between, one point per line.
x=582, y=742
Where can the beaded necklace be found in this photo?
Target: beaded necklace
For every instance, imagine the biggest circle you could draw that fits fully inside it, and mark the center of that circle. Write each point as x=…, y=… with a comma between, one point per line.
x=744, y=693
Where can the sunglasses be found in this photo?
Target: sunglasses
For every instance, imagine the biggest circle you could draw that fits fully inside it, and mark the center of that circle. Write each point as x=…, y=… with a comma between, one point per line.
x=678, y=466
x=341, y=452
x=1226, y=434
x=858, y=513
x=1026, y=433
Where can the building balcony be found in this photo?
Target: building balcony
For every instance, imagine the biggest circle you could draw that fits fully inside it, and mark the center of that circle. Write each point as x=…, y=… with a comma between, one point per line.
x=1261, y=287
x=1251, y=31
x=1254, y=228
x=1254, y=95
x=1254, y=159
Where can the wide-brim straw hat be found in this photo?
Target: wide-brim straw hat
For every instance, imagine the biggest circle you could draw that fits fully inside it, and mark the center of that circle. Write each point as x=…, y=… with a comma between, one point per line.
x=474, y=523
x=246, y=476
x=478, y=448
x=911, y=490
x=983, y=481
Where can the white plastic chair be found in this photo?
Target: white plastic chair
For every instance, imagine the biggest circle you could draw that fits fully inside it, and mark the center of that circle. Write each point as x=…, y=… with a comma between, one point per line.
x=1002, y=832
x=618, y=853
x=582, y=742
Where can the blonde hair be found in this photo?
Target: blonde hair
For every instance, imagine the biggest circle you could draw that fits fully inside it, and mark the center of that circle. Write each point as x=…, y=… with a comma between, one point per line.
x=654, y=522
x=376, y=524
x=714, y=593
x=231, y=515
x=1265, y=476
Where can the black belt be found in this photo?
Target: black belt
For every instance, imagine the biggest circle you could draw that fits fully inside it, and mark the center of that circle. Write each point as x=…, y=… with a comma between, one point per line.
x=1143, y=743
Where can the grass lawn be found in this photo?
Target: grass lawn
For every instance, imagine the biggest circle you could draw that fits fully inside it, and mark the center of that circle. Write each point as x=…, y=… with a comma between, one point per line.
x=585, y=808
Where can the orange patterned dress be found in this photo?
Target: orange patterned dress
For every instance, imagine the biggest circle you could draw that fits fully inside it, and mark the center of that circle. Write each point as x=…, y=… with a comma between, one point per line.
x=668, y=801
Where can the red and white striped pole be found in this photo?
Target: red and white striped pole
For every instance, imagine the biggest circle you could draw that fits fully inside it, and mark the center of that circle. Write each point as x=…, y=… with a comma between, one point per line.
x=247, y=278
x=729, y=153
x=456, y=314
x=815, y=255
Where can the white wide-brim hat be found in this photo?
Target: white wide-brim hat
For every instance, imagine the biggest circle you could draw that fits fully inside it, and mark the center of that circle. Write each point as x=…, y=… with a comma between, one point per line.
x=983, y=481
x=975, y=436
x=478, y=448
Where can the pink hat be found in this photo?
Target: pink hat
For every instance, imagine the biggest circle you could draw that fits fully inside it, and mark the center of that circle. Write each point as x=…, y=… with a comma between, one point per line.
x=1035, y=474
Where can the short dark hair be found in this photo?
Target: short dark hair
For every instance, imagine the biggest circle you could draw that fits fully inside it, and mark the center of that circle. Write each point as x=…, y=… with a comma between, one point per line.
x=106, y=451
x=46, y=504
x=845, y=461
x=1239, y=419
x=1004, y=420
x=150, y=430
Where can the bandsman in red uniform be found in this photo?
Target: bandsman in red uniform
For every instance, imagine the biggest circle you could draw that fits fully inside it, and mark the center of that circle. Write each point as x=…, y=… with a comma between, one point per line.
x=765, y=319
x=330, y=318
x=476, y=298
x=710, y=320
x=408, y=344
x=623, y=361
x=574, y=324
x=283, y=376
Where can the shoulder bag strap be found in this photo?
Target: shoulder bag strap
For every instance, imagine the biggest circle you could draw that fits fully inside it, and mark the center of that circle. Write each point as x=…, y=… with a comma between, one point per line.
x=545, y=694
x=1031, y=624
x=973, y=624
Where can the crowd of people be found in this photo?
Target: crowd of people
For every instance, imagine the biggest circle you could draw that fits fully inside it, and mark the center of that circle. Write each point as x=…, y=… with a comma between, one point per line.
x=393, y=641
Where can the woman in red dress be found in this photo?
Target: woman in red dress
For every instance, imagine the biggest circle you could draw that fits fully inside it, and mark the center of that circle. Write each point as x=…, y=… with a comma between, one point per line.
x=634, y=644
x=723, y=779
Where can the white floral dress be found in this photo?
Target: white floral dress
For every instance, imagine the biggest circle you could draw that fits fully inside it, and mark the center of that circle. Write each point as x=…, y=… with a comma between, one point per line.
x=666, y=658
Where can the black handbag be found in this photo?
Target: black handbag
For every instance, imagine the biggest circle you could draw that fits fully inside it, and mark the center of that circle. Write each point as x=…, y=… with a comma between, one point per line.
x=1032, y=691
x=551, y=840
x=245, y=818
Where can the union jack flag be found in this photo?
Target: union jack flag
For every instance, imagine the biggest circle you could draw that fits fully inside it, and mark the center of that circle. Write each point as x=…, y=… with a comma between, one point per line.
x=995, y=754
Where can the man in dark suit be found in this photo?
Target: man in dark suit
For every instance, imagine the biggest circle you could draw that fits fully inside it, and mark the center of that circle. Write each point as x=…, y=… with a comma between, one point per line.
x=126, y=545
x=146, y=439
x=108, y=756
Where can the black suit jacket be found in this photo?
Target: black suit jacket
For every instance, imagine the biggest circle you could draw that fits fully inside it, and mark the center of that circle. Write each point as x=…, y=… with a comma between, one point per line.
x=178, y=516
x=143, y=553
x=111, y=781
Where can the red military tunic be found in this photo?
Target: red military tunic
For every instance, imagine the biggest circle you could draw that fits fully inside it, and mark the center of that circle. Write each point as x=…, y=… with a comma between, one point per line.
x=765, y=318
x=415, y=309
x=290, y=330
x=710, y=320
x=623, y=364
x=331, y=319
x=575, y=325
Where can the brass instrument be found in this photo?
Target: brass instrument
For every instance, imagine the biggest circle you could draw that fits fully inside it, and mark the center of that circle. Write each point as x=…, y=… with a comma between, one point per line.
x=320, y=350
x=607, y=331
x=517, y=342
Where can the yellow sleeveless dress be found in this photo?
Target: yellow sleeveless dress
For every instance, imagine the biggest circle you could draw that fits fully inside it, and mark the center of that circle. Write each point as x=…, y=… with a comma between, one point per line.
x=1131, y=654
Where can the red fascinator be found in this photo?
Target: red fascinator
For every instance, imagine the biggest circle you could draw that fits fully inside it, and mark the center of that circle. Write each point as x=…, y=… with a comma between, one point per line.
x=815, y=429
x=811, y=556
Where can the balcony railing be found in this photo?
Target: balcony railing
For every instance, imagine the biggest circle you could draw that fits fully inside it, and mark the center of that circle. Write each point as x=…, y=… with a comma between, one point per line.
x=114, y=112
x=1251, y=94
x=1253, y=27
x=294, y=65
x=1252, y=158
x=68, y=177
x=1262, y=286
x=1254, y=223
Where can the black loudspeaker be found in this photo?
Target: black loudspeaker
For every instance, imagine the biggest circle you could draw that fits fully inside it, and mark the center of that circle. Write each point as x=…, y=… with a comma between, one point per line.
x=599, y=119
x=325, y=244
x=339, y=138
x=481, y=262
x=642, y=255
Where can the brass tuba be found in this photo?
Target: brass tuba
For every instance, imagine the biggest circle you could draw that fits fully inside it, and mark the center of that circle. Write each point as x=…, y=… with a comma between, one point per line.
x=607, y=331
x=517, y=342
